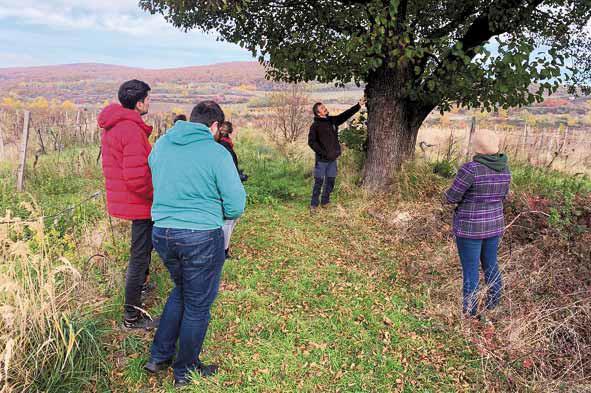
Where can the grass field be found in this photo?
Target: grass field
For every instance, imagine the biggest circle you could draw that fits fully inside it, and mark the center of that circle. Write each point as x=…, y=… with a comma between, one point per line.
x=318, y=303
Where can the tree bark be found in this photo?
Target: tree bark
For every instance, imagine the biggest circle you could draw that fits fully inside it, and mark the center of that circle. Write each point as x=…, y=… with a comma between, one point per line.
x=392, y=126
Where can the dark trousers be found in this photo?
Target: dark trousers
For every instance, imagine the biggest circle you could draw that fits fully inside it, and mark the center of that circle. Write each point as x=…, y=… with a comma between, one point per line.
x=316, y=190
x=473, y=252
x=325, y=172
x=195, y=260
x=138, y=266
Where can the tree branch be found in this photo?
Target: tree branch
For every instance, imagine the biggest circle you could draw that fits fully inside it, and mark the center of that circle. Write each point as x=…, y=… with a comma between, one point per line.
x=354, y=2
x=478, y=34
x=402, y=13
x=470, y=10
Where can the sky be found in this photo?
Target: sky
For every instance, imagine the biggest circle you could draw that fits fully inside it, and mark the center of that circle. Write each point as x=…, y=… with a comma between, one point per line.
x=34, y=33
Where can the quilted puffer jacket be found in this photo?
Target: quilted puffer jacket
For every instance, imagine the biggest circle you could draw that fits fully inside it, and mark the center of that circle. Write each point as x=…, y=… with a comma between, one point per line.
x=125, y=151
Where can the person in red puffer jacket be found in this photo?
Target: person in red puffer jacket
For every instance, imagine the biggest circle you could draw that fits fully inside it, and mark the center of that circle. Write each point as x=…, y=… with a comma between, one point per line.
x=128, y=182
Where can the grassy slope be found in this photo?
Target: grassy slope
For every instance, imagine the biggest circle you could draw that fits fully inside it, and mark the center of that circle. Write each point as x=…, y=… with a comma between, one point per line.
x=312, y=303
x=309, y=304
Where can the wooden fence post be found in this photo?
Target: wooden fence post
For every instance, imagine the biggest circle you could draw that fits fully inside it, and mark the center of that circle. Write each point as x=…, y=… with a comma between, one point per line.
x=1, y=144
x=522, y=147
x=564, y=149
x=20, y=180
x=469, y=138
x=41, y=143
x=77, y=129
x=526, y=147
x=95, y=132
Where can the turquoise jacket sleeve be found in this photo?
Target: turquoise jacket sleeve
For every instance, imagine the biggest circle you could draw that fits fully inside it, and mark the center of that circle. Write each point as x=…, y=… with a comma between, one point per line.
x=230, y=188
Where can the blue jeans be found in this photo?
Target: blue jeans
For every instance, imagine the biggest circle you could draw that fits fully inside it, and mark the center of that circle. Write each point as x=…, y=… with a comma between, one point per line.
x=472, y=253
x=194, y=260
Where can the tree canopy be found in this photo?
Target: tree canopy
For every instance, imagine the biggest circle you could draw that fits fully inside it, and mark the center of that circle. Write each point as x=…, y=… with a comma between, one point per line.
x=469, y=52
x=413, y=55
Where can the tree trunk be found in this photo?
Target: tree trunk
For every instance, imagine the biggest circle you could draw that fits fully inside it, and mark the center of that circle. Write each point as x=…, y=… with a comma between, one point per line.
x=392, y=127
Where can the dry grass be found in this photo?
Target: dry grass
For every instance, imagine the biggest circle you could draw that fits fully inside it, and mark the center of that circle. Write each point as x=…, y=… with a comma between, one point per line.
x=45, y=342
x=539, y=339
x=565, y=150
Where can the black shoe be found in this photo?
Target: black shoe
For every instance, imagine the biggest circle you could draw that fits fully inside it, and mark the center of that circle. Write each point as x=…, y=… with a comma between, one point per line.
x=207, y=370
x=203, y=370
x=181, y=383
x=228, y=255
x=153, y=367
x=141, y=322
x=148, y=287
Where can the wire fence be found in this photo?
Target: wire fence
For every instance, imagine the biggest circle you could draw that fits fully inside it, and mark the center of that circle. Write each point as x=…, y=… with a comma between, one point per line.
x=560, y=148
x=56, y=131
x=67, y=210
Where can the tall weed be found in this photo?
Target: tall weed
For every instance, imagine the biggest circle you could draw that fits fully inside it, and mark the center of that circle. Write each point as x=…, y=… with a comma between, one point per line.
x=46, y=342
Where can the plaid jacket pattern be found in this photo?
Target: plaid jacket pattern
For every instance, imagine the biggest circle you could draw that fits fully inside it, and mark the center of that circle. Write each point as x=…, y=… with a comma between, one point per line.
x=479, y=193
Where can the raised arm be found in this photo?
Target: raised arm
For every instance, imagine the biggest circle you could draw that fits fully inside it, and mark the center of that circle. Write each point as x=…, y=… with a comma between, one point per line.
x=343, y=117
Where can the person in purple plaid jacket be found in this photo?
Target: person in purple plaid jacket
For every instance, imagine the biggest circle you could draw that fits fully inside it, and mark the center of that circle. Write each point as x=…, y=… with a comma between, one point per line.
x=479, y=190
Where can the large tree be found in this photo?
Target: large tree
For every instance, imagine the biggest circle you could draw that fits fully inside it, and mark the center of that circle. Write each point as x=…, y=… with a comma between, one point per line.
x=413, y=55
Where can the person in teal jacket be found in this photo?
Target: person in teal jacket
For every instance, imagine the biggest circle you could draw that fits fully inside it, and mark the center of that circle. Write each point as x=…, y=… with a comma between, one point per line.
x=196, y=187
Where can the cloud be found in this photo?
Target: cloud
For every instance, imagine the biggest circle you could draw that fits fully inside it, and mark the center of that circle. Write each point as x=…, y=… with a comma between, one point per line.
x=15, y=59
x=40, y=16
x=115, y=31
x=123, y=16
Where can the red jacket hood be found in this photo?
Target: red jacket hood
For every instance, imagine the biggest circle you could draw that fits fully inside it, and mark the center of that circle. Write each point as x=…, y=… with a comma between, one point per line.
x=114, y=114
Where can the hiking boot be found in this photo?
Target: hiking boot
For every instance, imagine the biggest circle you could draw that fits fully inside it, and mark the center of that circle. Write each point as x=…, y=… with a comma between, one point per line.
x=228, y=255
x=141, y=322
x=313, y=210
x=153, y=367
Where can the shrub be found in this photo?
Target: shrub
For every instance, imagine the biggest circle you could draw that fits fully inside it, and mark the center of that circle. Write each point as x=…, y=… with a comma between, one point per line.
x=288, y=119
x=355, y=136
x=444, y=168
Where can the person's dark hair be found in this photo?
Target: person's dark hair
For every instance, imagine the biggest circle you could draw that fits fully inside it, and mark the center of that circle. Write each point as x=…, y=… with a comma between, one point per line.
x=315, y=108
x=179, y=117
x=132, y=92
x=207, y=112
x=225, y=128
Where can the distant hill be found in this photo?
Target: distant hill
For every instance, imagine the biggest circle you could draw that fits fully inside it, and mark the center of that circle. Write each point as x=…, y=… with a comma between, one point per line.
x=90, y=84
x=231, y=73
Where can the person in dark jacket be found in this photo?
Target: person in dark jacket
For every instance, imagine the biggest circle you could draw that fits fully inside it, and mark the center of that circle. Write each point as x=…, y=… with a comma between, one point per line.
x=324, y=140
x=224, y=138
